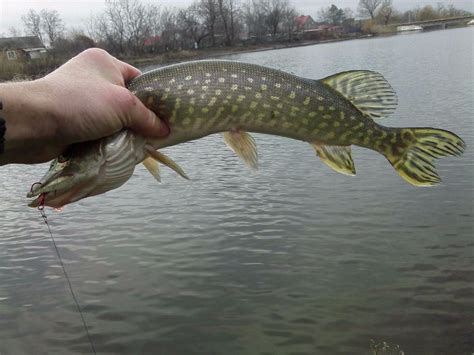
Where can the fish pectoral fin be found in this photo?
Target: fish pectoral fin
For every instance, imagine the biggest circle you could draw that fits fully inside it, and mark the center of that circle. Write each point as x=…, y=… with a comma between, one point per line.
x=162, y=158
x=336, y=157
x=368, y=91
x=243, y=144
x=153, y=167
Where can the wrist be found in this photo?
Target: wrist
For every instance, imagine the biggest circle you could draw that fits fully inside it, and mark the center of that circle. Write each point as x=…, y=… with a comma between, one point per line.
x=30, y=120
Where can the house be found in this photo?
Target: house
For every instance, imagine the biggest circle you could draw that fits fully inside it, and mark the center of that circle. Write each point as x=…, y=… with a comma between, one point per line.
x=305, y=23
x=152, y=44
x=331, y=28
x=151, y=41
x=21, y=48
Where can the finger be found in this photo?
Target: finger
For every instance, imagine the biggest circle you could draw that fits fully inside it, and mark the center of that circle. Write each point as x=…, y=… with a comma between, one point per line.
x=128, y=71
x=146, y=122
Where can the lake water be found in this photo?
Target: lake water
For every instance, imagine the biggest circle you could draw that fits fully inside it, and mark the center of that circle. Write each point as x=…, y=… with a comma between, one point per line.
x=294, y=259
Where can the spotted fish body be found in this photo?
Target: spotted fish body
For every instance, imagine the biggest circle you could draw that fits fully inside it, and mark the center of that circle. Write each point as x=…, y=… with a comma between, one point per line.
x=205, y=97
x=200, y=98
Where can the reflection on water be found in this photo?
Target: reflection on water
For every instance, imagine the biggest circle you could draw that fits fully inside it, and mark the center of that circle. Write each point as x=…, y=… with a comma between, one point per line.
x=292, y=259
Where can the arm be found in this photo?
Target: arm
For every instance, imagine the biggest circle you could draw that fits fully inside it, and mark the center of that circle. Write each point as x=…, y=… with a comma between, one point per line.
x=85, y=99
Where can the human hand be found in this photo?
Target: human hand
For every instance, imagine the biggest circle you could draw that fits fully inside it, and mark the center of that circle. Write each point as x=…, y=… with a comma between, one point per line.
x=84, y=99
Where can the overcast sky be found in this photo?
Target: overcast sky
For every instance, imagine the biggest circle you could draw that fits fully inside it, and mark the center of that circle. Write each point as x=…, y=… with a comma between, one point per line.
x=75, y=12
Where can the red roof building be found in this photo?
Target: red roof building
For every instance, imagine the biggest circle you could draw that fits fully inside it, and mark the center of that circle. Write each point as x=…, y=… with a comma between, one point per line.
x=151, y=41
x=305, y=22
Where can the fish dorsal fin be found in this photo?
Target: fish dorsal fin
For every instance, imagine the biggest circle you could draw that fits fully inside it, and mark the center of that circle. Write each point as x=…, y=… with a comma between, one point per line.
x=336, y=157
x=243, y=144
x=368, y=91
x=153, y=167
x=158, y=156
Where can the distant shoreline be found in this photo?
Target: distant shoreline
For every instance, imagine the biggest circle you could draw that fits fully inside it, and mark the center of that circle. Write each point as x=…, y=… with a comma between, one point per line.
x=200, y=54
x=175, y=57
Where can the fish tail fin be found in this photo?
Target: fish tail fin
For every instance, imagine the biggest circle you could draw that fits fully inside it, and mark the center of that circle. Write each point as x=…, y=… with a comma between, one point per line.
x=415, y=150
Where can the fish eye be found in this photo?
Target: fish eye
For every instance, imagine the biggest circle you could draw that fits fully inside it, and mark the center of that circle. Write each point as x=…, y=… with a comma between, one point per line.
x=62, y=159
x=67, y=154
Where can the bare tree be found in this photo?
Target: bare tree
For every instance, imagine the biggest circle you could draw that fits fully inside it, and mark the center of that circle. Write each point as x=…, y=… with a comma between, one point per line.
x=209, y=12
x=139, y=19
x=125, y=24
x=234, y=13
x=369, y=7
x=51, y=25
x=323, y=14
x=228, y=11
x=427, y=13
x=170, y=34
x=254, y=17
x=153, y=19
x=115, y=22
x=223, y=16
x=32, y=23
x=386, y=12
x=452, y=11
x=94, y=26
x=192, y=25
x=72, y=43
x=288, y=22
x=348, y=13
x=275, y=12
x=332, y=14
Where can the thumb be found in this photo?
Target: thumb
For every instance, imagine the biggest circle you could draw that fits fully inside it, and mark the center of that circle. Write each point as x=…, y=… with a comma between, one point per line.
x=145, y=122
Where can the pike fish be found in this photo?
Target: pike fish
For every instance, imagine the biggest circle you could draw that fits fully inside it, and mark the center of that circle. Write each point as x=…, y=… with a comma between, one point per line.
x=200, y=98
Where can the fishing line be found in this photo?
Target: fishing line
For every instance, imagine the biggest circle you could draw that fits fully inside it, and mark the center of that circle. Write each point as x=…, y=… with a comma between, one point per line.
x=45, y=219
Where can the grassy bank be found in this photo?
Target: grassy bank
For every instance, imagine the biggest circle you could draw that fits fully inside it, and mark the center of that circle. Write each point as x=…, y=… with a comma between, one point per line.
x=32, y=69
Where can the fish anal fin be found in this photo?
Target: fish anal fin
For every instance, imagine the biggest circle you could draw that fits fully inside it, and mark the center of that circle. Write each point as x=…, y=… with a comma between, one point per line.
x=336, y=157
x=368, y=91
x=153, y=167
x=162, y=158
x=243, y=144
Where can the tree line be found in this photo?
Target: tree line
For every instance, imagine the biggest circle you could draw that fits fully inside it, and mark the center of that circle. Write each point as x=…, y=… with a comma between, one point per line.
x=134, y=28
x=124, y=24
x=383, y=12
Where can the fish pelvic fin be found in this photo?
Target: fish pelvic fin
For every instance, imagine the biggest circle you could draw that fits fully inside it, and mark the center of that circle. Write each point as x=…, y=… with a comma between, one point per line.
x=414, y=155
x=338, y=158
x=153, y=167
x=368, y=91
x=243, y=144
x=162, y=158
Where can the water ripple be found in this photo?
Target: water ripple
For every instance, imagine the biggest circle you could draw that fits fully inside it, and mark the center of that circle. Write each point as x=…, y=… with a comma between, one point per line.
x=292, y=259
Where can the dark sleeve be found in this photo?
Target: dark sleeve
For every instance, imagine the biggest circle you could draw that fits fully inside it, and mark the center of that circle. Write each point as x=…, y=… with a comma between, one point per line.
x=2, y=131
x=2, y=134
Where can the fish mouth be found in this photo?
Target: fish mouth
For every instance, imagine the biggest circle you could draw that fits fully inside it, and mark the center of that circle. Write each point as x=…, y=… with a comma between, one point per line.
x=60, y=186
x=70, y=177
x=57, y=197
x=50, y=199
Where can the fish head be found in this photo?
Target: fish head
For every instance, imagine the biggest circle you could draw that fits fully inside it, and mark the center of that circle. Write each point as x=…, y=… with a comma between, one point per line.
x=88, y=169
x=70, y=177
